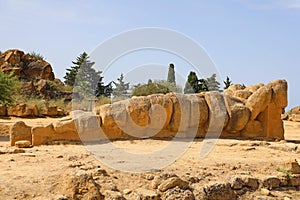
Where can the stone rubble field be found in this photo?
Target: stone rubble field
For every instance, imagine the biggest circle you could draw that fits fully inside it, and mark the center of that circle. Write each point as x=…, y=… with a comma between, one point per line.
x=235, y=169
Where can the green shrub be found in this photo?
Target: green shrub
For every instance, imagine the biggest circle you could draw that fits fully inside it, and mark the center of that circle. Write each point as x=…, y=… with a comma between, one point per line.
x=36, y=56
x=156, y=87
x=9, y=85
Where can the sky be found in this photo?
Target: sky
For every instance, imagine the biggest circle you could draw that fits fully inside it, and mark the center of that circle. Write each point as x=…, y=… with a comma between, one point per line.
x=251, y=41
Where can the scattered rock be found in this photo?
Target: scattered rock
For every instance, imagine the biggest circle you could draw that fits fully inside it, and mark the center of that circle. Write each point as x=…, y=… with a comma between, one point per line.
x=292, y=166
x=237, y=183
x=265, y=191
x=113, y=195
x=171, y=183
x=127, y=191
x=23, y=144
x=178, y=193
x=219, y=191
x=252, y=183
x=82, y=186
x=271, y=182
x=295, y=180
x=147, y=194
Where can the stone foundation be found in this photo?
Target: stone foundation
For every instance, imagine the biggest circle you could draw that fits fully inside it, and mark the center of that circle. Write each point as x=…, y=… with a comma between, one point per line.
x=242, y=113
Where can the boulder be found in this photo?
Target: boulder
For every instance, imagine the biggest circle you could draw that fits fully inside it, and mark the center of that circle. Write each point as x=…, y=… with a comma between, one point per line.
x=50, y=111
x=292, y=166
x=42, y=135
x=259, y=100
x=295, y=110
x=23, y=144
x=232, y=88
x=109, y=125
x=28, y=88
x=218, y=117
x=254, y=88
x=199, y=114
x=147, y=194
x=88, y=127
x=3, y=110
x=83, y=186
x=23, y=110
x=25, y=66
x=64, y=126
x=20, y=131
x=161, y=109
x=178, y=193
x=271, y=182
x=39, y=69
x=180, y=121
x=219, y=191
x=235, y=87
x=253, y=129
x=138, y=110
x=171, y=183
x=239, y=116
x=295, y=118
x=243, y=94
x=279, y=95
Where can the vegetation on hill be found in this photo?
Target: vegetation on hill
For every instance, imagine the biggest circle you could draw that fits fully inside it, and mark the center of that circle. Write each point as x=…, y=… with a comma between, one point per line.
x=9, y=85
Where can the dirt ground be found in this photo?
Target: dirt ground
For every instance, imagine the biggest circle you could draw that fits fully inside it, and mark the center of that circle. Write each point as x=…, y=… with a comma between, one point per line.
x=46, y=172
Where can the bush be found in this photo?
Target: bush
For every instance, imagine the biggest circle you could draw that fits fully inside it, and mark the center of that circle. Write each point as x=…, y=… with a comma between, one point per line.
x=156, y=87
x=9, y=85
x=36, y=56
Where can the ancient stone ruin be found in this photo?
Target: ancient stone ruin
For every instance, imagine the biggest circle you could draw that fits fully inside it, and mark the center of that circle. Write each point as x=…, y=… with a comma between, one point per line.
x=253, y=112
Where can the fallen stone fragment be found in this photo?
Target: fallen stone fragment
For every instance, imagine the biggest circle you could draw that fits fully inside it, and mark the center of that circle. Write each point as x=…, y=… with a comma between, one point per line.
x=171, y=183
x=23, y=144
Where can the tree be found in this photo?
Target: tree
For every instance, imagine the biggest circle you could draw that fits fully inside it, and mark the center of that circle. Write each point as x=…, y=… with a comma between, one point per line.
x=103, y=90
x=227, y=83
x=203, y=85
x=192, y=84
x=71, y=73
x=121, y=88
x=212, y=83
x=171, y=74
x=87, y=78
x=9, y=84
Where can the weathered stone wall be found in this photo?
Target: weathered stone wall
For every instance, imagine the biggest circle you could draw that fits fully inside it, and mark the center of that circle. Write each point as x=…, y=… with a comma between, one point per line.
x=243, y=113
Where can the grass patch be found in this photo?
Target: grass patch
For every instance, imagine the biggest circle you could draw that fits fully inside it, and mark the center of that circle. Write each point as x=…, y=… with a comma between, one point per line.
x=289, y=174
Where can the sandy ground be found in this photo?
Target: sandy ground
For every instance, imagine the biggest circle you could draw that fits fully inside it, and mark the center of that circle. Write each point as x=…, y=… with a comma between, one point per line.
x=43, y=172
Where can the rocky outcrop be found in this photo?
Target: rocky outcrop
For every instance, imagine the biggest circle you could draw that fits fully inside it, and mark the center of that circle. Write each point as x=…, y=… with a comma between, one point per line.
x=23, y=110
x=25, y=66
x=177, y=115
x=36, y=74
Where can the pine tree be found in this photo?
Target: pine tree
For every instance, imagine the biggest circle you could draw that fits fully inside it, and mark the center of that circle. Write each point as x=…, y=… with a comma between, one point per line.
x=71, y=73
x=212, y=83
x=227, y=83
x=192, y=84
x=87, y=78
x=171, y=74
x=202, y=85
x=103, y=90
x=121, y=87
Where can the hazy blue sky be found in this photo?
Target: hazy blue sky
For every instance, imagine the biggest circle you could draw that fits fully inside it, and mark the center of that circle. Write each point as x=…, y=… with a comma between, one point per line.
x=251, y=41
